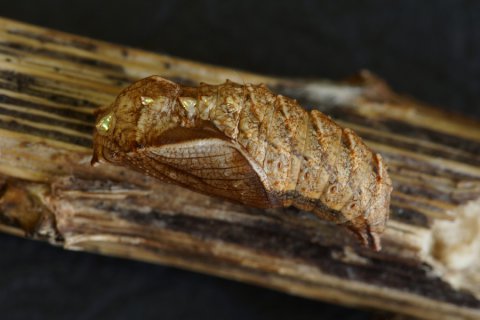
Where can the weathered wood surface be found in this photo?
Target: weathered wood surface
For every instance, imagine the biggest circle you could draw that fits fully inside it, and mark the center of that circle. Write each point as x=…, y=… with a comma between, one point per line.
x=50, y=84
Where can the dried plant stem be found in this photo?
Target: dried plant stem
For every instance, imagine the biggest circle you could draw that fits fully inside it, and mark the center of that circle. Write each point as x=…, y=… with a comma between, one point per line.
x=50, y=84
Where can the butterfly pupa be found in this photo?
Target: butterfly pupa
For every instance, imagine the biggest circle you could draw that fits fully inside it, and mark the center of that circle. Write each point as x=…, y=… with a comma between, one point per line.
x=247, y=144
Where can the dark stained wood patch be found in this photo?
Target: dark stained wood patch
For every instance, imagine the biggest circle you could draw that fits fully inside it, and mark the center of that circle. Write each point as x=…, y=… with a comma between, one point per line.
x=409, y=216
x=23, y=83
x=84, y=128
x=43, y=38
x=87, y=117
x=285, y=241
x=50, y=134
x=63, y=56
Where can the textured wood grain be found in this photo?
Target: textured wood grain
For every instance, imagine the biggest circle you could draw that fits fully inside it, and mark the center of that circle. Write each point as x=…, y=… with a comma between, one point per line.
x=50, y=84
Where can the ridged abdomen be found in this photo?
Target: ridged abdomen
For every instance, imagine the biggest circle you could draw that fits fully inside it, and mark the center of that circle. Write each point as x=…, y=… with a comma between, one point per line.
x=310, y=161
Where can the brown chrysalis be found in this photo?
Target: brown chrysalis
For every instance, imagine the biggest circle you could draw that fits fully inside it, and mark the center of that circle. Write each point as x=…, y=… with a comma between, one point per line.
x=249, y=145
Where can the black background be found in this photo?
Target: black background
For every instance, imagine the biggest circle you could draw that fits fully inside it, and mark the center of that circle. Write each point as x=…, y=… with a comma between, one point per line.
x=426, y=49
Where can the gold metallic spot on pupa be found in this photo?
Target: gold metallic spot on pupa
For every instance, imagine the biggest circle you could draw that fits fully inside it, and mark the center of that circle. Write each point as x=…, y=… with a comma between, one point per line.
x=189, y=105
x=105, y=124
x=207, y=103
x=208, y=100
x=146, y=100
